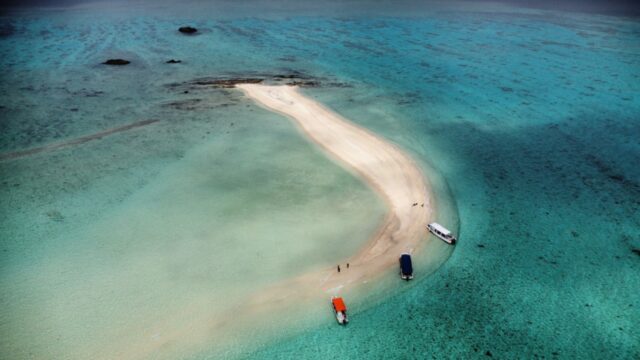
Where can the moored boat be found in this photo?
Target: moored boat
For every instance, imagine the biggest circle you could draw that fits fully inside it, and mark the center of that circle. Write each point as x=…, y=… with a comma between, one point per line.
x=406, y=268
x=341, y=310
x=441, y=232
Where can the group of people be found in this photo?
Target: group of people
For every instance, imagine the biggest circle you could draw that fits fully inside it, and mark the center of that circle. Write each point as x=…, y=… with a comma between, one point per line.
x=339, y=267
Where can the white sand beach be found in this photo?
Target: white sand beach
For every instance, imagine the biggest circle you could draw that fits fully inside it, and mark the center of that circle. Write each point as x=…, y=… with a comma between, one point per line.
x=387, y=169
x=201, y=326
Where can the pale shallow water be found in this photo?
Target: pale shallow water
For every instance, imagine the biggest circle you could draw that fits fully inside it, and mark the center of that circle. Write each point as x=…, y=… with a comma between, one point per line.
x=526, y=123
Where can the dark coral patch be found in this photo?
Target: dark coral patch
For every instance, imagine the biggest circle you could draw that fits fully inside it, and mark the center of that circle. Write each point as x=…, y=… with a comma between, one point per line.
x=116, y=62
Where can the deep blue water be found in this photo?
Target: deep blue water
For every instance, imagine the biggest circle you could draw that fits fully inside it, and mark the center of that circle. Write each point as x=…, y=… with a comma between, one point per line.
x=532, y=118
x=535, y=122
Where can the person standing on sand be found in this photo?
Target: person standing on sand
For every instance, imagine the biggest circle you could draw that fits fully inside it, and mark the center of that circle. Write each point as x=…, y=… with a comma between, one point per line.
x=347, y=265
x=338, y=268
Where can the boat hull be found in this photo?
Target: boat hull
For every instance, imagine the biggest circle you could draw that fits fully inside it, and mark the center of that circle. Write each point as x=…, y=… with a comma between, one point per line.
x=406, y=268
x=450, y=241
x=340, y=309
x=341, y=318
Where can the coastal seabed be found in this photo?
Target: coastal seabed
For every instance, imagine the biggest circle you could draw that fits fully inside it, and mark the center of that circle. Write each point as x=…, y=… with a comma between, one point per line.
x=169, y=271
x=140, y=212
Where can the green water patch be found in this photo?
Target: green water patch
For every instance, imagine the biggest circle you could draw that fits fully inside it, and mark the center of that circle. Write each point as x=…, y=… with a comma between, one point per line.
x=531, y=118
x=111, y=259
x=537, y=141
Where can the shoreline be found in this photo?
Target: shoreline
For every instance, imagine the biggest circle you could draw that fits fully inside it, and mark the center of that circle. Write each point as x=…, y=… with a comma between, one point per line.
x=383, y=166
x=76, y=141
x=391, y=173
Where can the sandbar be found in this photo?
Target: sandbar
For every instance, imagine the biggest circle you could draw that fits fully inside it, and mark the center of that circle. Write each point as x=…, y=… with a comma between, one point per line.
x=382, y=165
x=389, y=171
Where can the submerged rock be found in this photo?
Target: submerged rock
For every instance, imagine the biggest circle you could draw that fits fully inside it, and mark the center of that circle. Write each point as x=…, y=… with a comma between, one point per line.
x=187, y=104
x=117, y=62
x=7, y=30
x=227, y=83
x=616, y=177
x=172, y=61
x=55, y=215
x=287, y=76
x=306, y=84
x=291, y=78
x=188, y=30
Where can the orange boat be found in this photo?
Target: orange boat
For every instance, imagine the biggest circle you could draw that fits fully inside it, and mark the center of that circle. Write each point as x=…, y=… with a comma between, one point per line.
x=341, y=310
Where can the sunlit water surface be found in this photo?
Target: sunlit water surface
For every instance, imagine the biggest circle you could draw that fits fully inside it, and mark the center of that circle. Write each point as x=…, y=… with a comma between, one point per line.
x=526, y=123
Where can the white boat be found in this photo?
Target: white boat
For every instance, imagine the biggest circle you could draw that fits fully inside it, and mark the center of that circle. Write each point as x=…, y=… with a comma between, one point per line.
x=441, y=232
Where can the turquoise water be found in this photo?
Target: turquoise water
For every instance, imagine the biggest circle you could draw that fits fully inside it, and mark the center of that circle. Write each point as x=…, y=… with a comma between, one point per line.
x=526, y=121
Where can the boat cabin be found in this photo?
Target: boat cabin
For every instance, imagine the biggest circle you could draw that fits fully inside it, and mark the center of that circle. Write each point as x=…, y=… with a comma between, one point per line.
x=441, y=232
x=406, y=268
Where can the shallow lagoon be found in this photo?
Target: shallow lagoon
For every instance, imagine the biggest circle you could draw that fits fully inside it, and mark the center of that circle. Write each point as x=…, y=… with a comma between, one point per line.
x=530, y=118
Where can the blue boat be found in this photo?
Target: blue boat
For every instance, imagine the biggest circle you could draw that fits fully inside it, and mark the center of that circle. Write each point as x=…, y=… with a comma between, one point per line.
x=406, y=268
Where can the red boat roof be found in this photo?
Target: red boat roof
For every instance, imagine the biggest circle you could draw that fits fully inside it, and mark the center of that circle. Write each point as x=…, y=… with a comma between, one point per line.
x=338, y=304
